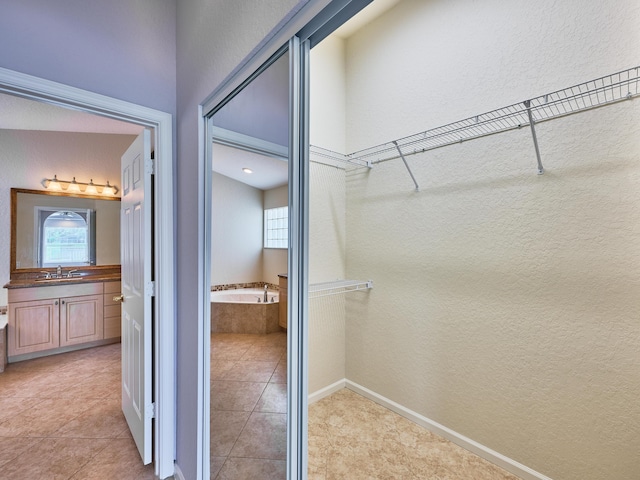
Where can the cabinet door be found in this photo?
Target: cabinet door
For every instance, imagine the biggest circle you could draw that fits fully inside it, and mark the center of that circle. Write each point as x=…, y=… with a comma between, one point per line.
x=33, y=326
x=282, y=299
x=81, y=319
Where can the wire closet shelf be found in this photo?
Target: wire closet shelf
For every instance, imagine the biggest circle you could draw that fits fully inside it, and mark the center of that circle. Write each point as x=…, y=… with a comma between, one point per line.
x=585, y=96
x=324, y=289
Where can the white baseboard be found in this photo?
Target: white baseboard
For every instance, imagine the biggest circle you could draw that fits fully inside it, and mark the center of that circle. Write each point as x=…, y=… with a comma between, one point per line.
x=492, y=456
x=326, y=391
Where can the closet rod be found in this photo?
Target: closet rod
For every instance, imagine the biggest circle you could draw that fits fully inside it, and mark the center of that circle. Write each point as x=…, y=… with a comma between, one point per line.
x=585, y=96
x=338, y=286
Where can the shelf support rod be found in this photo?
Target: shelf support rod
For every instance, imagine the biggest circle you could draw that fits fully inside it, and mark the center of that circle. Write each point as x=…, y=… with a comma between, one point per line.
x=407, y=165
x=527, y=103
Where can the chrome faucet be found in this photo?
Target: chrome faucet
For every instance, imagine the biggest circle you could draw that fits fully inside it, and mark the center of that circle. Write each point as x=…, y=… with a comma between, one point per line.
x=59, y=271
x=265, y=294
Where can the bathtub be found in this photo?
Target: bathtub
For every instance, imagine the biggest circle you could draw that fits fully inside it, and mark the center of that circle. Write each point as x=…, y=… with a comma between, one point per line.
x=239, y=311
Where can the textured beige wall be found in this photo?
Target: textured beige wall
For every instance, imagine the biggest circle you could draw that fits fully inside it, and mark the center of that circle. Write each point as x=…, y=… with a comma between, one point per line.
x=505, y=304
x=327, y=216
x=236, y=232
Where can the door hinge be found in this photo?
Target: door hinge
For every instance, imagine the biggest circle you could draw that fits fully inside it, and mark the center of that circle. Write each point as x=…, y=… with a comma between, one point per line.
x=151, y=289
x=150, y=411
x=150, y=166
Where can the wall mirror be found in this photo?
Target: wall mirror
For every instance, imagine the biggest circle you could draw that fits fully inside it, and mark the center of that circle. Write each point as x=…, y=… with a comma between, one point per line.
x=58, y=228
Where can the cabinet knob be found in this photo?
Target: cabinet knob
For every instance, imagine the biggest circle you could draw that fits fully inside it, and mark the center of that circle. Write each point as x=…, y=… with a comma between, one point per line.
x=119, y=298
x=56, y=302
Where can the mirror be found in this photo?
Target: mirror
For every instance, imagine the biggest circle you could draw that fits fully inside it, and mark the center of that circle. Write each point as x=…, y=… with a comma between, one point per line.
x=57, y=228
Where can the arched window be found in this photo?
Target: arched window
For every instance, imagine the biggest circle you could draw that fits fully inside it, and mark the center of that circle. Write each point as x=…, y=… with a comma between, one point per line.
x=66, y=238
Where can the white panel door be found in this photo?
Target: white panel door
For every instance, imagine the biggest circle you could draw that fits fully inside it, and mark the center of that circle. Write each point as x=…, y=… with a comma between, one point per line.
x=136, y=238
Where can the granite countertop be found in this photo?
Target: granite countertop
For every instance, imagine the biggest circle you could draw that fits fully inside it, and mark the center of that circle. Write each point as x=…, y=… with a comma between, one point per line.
x=41, y=282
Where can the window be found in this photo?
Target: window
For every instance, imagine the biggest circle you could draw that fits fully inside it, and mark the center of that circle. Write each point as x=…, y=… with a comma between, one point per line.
x=276, y=227
x=66, y=238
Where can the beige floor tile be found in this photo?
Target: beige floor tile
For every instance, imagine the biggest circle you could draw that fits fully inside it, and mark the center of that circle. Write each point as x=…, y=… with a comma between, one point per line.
x=12, y=447
x=273, y=399
x=349, y=433
x=264, y=354
x=44, y=418
x=119, y=459
x=53, y=459
x=12, y=406
x=104, y=420
x=220, y=367
x=250, y=371
x=253, y=468
x=226, y=427
x=215, y=465
x=264, y=436
x=227, y=395
x=280, y=374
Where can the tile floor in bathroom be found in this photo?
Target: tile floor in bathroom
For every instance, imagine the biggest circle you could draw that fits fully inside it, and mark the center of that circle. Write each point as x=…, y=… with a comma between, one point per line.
x=60, y=419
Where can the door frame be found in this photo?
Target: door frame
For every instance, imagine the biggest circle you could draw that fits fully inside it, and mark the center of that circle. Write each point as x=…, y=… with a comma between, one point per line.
x=39, y=89
x=297, y=33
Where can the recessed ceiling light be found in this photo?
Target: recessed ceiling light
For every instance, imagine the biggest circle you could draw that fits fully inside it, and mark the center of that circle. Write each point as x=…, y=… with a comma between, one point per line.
x=247, y=170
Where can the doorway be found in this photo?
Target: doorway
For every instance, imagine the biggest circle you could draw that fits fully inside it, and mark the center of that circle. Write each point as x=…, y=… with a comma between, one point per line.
x=163, y=302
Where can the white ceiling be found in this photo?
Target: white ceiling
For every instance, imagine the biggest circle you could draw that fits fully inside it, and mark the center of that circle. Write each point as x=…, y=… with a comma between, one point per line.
x=268, y=172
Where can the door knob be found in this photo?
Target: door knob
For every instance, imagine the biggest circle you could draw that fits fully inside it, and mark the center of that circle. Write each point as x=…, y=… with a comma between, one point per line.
x=119, y=298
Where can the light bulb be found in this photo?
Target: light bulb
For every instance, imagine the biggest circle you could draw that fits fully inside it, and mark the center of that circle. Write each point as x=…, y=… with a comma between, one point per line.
x=54, y=184
x=73, y=186
x=91, y=188
x=108, y=189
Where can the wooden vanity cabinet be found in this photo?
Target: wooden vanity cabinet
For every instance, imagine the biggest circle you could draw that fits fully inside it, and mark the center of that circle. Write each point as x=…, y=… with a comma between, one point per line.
x=55, y=318
x=81, y=319
x=33, y=326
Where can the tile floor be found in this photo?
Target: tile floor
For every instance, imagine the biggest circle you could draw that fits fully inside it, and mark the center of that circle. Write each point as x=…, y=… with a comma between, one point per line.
x=60, y=419
x=355, y=438
x=350, y=437
x=248, y=406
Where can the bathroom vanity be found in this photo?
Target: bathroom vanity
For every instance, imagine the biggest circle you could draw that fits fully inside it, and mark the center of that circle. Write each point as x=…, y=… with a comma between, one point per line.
x=61, y=316
x=54, y=308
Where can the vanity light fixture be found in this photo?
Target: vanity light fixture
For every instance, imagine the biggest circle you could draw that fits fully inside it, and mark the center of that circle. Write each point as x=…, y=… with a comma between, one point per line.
x=247, y=170
x=79, y=187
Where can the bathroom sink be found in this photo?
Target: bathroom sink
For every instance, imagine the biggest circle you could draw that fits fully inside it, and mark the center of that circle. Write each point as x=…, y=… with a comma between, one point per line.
x=59, y=280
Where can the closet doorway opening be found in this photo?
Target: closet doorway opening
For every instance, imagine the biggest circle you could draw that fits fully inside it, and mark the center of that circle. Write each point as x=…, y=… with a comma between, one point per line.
x=248, y=318
x=160, y=350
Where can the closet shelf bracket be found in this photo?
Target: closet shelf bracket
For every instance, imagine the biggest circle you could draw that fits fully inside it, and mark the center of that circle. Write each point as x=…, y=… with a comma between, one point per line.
x=407, y=165
x=527, y=104
x=324, y=289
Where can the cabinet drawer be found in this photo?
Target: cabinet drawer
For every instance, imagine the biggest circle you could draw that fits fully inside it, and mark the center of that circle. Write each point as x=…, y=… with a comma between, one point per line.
x=112, y=287
x=112, y=311
x=112, y=327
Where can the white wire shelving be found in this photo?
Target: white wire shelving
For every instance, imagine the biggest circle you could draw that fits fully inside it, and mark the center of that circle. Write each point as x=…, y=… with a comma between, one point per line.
x=613, y=88
x=324, y=289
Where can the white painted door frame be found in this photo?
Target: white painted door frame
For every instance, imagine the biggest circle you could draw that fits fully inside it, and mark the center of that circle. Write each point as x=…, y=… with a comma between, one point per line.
x=305, y=27
x=39, y=89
